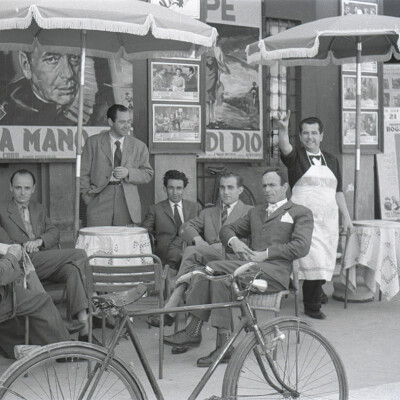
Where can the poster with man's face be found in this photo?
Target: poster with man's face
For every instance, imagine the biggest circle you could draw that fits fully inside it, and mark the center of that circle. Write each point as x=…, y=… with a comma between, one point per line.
x=39, y=97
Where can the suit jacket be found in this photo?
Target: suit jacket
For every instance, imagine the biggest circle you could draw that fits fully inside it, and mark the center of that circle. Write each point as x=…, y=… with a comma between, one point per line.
x=13, y=230
x=161, y=223
x=286, y=234
x=97, y=165
x=208, y=223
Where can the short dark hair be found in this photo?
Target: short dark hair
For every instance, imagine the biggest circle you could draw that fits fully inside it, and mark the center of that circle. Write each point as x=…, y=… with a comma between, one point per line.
x=280, y=172
x=312, y=120
x=191, y=69
x=112, y=111
x=23, y=171
x=174, y=174
x=176, y=69
x=230, y=174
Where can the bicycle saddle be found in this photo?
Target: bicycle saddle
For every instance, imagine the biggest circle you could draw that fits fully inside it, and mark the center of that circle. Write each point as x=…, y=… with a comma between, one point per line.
x=120, y=299
x=216, y=170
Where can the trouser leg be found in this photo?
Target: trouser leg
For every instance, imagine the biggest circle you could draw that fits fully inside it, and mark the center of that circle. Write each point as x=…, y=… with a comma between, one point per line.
x=199, y=293
x=312, y=294
x=45, y=323
x=64, y=266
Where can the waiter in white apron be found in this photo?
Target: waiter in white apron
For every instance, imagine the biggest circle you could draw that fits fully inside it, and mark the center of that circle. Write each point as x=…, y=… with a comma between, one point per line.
x=316, y=182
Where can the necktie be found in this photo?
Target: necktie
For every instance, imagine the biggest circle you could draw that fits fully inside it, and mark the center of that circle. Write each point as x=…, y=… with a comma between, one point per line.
x=271, y=209
x=117, y=154
x=27, y=222
x=316, y=160
x=177, y=217
x=224, y=214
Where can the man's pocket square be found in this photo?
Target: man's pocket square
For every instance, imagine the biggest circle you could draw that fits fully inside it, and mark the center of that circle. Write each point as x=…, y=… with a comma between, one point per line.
x=287, y=218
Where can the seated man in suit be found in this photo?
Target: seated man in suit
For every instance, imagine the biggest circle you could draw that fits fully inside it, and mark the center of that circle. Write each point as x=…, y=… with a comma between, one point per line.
x=45, y=323
x=280, y=232
x=26, y=222
x=165, y=218
x=201, y=235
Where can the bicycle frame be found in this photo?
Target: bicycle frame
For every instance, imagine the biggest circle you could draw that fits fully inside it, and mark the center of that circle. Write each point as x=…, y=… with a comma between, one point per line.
x=248, y=323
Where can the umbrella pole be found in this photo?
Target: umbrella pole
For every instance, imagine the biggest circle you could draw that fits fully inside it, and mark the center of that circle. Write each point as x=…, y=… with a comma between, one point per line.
x=358, y=131
x=79, y=135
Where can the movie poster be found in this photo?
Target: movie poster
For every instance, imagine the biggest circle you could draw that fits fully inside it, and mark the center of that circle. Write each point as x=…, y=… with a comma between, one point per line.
x=39, y=101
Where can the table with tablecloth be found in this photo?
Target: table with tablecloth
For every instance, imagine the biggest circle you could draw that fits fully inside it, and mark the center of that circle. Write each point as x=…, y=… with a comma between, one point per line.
x=115, y=240
x=374, y=245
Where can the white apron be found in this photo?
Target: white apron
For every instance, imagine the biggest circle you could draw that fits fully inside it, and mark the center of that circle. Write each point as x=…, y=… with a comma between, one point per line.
x=316, y=189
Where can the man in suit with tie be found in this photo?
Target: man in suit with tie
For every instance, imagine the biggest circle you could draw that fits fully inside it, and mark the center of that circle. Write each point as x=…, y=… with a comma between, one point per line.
x=202, y=235
x=113, y=165
x=280, y=231
x=25, y=222
x=165, y=218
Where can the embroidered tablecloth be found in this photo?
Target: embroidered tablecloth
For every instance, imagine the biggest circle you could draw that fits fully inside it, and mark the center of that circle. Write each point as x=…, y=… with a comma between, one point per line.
x=115, y=240
x=375, y=244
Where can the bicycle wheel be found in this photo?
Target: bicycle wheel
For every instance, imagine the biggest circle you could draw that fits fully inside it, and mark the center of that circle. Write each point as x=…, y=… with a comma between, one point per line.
x=61, y=370
x=304, y=360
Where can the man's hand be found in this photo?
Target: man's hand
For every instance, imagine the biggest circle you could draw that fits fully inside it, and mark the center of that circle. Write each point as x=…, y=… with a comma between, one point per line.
x=33, y=245
x=348, y=225
x=199, y=241
x=241, y=249
x=120, y=172
x=16, y=251
x=258, y=256
x=282, y=121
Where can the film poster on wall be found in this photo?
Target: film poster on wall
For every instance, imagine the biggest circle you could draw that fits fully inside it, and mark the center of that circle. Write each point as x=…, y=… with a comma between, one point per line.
x=39, y=110
x=233, y=93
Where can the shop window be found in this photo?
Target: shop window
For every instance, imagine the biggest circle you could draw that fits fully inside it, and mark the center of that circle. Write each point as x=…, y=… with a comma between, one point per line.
x=281, y=92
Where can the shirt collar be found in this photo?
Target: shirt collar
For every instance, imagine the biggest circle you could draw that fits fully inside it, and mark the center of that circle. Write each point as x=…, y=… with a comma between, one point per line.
x=312, y=154
x=278, y=204
x=231, y=206
x=113, y=140
x=172, y=204
x=20, y=206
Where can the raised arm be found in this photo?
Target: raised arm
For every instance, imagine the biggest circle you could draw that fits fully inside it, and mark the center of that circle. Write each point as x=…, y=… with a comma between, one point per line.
x=283, y=124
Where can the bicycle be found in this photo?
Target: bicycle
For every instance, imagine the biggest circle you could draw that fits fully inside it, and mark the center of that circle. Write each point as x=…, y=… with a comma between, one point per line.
x=284, y=359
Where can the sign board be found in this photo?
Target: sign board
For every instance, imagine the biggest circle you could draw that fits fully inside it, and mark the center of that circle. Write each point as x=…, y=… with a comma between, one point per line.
x=389, y=166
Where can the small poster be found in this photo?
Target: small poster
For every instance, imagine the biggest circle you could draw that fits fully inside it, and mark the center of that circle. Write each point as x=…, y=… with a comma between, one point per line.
x=369, y=127
x=176, y=124
x=369, y=91
x=389, y=167
x=174, y=82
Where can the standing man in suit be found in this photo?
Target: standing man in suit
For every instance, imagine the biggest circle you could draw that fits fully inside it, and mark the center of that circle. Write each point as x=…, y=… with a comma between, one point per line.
x=165, y=218
x=45, y=323
x=26, y=222
x=113, y=164
x=280, y=232
x=202, y=235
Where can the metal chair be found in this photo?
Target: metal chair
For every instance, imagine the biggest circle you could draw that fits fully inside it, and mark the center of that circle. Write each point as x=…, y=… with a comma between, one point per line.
x=272, y=302
x=105, y=278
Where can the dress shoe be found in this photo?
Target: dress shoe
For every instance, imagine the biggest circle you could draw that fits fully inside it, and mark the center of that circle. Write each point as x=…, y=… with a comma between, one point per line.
x=74, y=326
x=154, y=320
x=324, y=298
x=208, y=360
x=181, y=338
x=315, y=314
x=85, y=338
x=180, y=349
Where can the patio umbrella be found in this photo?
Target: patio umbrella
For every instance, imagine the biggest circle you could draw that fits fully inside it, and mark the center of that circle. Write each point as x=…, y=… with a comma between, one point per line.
x=338, y=40
x=119, y=28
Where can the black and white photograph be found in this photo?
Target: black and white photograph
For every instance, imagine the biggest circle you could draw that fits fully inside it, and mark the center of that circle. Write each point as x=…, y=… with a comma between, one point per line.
x=176, y=124
x=175, y=82
x=369, y=91
x=369, y=127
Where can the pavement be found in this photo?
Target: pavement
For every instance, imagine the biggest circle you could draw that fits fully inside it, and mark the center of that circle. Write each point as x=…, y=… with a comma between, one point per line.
x=366, y=336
